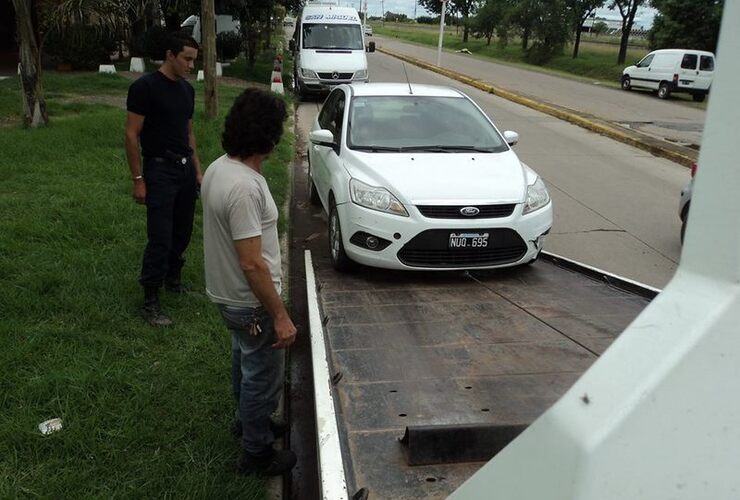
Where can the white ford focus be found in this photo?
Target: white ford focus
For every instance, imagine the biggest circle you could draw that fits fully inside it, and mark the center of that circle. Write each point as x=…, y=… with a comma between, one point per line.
x=417, y=177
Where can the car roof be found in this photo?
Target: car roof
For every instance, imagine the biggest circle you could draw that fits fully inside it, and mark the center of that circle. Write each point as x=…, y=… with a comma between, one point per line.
x=402, y=89
x=682, y=51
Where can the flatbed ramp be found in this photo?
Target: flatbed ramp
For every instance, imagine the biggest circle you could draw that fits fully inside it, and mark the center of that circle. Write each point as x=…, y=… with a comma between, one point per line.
x=460, y=362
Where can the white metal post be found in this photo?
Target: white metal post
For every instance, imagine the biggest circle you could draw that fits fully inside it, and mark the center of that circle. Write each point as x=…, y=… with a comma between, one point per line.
x=441, y=32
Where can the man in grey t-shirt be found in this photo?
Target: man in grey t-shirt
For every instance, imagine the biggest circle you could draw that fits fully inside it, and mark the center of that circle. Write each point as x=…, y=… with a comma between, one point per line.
x=243, y=273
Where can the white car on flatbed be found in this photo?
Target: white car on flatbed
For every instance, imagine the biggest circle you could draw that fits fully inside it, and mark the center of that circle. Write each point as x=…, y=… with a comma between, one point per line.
x=417, y=177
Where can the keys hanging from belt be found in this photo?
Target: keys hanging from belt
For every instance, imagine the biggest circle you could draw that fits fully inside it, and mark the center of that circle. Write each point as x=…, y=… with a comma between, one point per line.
x=255, y=328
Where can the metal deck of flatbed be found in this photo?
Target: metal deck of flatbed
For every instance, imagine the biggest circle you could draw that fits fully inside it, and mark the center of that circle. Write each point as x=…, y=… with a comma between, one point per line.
x=487, y=347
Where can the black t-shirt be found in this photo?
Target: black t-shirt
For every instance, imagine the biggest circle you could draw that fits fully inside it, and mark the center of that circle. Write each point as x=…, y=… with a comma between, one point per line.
x=168, y=107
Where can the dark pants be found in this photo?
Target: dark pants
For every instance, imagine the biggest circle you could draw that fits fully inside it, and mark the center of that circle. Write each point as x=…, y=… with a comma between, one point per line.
x=170, y=206
x=257, y=371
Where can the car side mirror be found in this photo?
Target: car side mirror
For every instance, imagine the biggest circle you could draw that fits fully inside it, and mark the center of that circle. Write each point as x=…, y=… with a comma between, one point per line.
x=511, y=137
x=322, y=137
x=291, y=45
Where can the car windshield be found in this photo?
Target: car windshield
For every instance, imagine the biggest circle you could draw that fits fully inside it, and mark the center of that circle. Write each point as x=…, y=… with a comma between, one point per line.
x=332, y=36
x=420, y=123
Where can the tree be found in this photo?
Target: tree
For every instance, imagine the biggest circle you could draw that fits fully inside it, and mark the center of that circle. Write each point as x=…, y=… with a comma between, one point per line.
x=524, y=14
x=676, y=24
x=490, y=16
x=627, y=9
x=581, y=10
x=208, y=45
x=550, y=30
x=463, y=7
x=599, y=28
x=29, y=52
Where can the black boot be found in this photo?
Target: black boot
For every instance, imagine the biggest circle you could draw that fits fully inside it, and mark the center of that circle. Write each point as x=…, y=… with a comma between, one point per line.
x=271, y=463
x=278, y=427
x=152, y=310
x=174, y=283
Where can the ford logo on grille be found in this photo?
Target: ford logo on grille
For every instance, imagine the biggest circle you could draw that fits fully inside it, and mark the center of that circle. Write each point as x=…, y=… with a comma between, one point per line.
x=335, y=75
x=469, y=211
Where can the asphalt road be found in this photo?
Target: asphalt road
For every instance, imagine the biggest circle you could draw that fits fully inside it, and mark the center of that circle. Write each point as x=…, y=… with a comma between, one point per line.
x=615, y=206
x=638, y=110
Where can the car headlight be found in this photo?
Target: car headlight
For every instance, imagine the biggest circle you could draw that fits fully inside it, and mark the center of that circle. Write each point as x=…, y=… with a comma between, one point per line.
x=360, y=75
x=309, y=73
x=537, y=196
x=375, y=198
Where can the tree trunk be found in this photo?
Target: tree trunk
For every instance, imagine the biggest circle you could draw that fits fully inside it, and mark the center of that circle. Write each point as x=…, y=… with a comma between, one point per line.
x=34, y=105
x=525, y=38
x=578, y=41
x=626, y=29
x=466, y=29
x=208, y=29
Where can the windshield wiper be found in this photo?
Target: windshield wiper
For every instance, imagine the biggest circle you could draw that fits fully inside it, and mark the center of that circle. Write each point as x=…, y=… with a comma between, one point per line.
x=443, y=148
x=375, y=148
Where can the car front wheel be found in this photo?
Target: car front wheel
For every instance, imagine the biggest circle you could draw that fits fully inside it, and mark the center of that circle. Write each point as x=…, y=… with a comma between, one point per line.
x=338, y=256
x=626, y=83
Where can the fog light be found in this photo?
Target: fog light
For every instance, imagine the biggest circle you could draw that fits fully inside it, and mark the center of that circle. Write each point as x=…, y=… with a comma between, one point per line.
x=371, y=242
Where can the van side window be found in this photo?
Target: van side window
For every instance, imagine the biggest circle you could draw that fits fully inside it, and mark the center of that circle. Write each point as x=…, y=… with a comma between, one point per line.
x=646, y=61
x=706, y=63
x=689, y=61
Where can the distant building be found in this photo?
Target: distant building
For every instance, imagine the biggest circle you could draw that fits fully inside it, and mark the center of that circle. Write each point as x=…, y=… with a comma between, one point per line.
x=614, y=26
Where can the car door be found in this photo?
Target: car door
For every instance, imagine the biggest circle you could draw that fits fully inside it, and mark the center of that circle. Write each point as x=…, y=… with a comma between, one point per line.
x=640, y=77
x=324, y=158
x=688, y=71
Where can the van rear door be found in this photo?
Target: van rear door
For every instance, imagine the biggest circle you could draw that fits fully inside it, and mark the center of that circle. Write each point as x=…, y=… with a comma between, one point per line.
x=687, y=71
x=705, y=73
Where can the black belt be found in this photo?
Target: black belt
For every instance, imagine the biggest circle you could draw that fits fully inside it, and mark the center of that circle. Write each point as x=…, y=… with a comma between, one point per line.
x=182, y=160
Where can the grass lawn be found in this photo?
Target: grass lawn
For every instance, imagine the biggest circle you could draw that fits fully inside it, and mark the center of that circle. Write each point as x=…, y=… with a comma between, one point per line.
x=595, y=60
x=146, y=412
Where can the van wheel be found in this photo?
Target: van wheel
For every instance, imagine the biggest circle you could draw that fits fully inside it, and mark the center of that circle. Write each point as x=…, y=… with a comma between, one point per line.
x=626, y=83
x=699, y=97
x=664, y=91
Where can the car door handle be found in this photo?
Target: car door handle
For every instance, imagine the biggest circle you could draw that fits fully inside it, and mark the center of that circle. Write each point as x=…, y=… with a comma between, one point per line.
x=697, y=72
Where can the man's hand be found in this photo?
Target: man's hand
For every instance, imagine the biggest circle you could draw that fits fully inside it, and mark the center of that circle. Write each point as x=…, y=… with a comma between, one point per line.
x=285, y=331
x=139, y=191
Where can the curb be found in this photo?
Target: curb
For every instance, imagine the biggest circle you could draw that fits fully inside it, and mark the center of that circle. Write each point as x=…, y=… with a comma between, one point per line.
x=681, y=155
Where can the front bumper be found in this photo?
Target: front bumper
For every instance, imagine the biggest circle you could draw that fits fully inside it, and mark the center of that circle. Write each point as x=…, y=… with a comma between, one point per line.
x=322, y=86
x=420, y=243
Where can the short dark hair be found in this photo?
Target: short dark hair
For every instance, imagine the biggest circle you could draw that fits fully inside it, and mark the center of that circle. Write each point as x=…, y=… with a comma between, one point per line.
x=177, y=41
x=254, y=124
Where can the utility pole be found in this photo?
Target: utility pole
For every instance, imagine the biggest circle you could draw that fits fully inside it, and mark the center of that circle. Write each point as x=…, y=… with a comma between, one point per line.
x=441, y=32
x=208, y=30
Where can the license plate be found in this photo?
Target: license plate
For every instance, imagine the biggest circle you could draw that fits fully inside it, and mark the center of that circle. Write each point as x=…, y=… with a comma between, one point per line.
x=468, y=240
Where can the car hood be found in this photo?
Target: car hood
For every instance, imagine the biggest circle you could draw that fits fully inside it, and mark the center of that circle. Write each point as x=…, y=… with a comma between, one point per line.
x=333, y=61
x=444, y=178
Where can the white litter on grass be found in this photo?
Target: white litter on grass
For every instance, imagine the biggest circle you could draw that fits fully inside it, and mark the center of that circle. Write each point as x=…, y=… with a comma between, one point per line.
x=463, y=50
x=49, y=426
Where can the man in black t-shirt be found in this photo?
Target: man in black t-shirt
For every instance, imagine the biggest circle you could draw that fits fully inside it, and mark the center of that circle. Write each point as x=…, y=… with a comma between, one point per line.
x=160, y=119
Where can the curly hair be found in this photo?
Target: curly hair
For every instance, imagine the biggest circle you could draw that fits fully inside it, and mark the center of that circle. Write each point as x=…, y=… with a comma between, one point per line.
x=254, y=124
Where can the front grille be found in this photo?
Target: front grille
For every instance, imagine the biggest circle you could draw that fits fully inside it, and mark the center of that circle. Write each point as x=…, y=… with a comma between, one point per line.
x=430, y=249
x=340, y=76
x=453, y=211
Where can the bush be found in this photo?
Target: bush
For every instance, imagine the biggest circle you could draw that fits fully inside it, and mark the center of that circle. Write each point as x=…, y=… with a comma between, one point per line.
x=82, y=47
x=228, y=45
x=154, y=42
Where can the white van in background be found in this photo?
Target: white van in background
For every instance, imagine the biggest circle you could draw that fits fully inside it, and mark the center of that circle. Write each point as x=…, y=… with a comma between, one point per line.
x=224, y=24
x=328, y=47
x=672, y=70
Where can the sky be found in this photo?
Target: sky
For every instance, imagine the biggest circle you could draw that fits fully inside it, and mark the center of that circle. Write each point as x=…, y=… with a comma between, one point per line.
x=644, y=14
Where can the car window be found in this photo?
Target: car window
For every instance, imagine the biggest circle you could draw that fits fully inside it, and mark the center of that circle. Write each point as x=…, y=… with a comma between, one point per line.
x=706, y=63
x=420, y=122
x=689, y=61
x=327, y=110
x=338, y=117
x=646, y=61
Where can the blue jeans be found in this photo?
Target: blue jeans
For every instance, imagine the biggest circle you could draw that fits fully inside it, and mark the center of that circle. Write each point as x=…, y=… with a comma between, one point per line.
x=257, y=371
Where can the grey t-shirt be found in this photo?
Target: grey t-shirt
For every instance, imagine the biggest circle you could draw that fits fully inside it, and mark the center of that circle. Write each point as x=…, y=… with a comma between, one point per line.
x=237, y=204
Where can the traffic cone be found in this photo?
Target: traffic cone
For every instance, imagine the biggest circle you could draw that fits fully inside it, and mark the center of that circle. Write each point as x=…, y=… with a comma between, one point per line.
x=277, y=83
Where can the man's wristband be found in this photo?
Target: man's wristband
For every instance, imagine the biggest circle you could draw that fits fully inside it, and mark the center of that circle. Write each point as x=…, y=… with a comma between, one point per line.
x=137, y=178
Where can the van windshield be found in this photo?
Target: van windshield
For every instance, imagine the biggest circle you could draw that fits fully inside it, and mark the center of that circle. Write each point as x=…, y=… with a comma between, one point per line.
x=332, y=36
